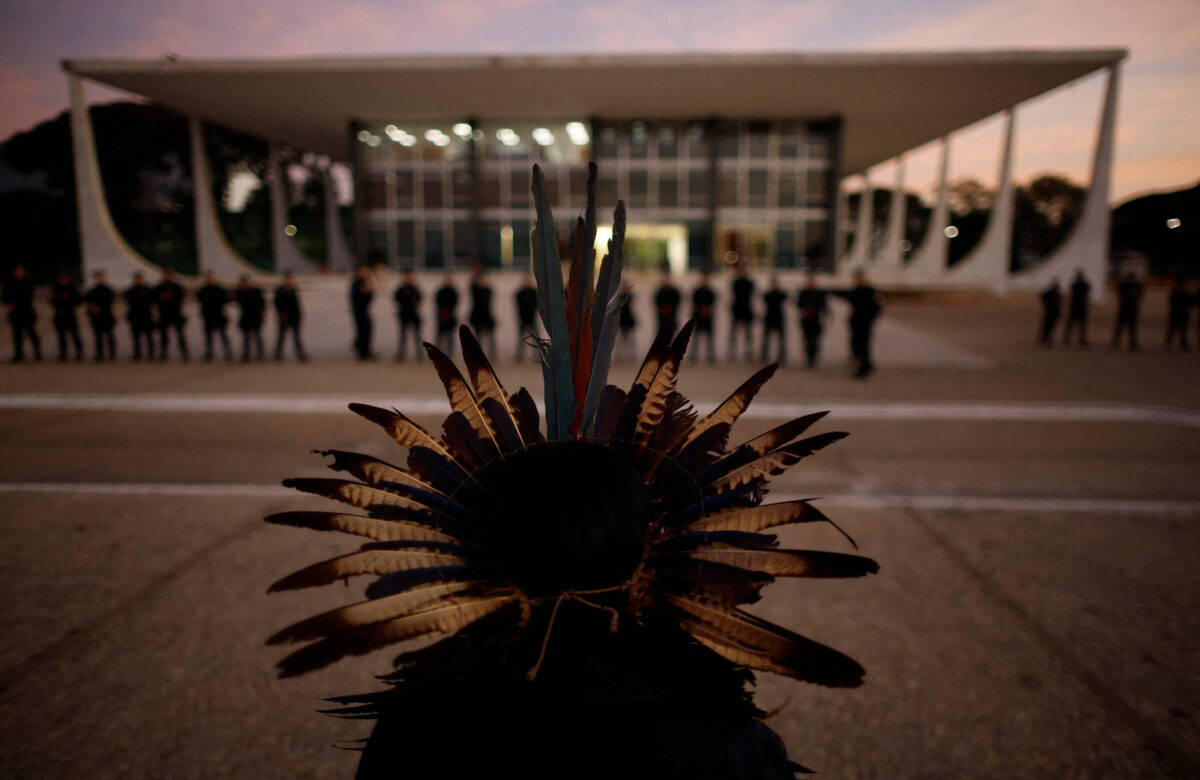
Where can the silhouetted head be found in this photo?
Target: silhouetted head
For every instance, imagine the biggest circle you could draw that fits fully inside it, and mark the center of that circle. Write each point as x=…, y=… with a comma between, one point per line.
x=289, y=279
x=210, y=278
x=138, y=280
x=244, y=282
x=860, y=279
x=98, y=277
x=810, y=281
x=362, y=272
x=18, y=271
x=168, y=274
x=63, y=278
x=448, y=280
x=410, y=277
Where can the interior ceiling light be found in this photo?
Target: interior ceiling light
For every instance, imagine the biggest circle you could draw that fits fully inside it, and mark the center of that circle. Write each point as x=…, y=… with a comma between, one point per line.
x=543, y=136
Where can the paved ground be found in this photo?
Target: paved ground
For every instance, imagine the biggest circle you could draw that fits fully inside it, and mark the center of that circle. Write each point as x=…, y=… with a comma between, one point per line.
x=1035, y=514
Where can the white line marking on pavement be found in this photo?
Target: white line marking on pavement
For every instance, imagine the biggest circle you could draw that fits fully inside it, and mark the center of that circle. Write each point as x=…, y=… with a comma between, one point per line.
x=763, y=409
x=844, y=500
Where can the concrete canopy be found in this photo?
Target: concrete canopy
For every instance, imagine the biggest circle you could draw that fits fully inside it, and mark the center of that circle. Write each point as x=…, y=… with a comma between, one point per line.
x=890, y=103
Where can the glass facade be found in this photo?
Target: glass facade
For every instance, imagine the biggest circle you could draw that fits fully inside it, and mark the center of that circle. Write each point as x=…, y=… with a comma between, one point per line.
x=439, y=194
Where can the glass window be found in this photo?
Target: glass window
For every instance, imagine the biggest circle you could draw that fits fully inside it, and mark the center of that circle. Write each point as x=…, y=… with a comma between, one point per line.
x=405, y=193
x=790, y=138
x=697, y=141
x=464, y=243
x=435, y=254
x=786, y=196
x=406, y=240
x=757, y=139
x=489, y=189
x=727, y=189
x=606, y=186
x=579, y=186
x=639, y=140
x=639, y=188
x=489, y=244
x=521, y=250
x=460, y=189
x=668, y=196
x=668, y=141
x=785, y=248
x=376, y=191
x=727, y=141
x=432, y=188
x=520, y=187
x=699, y=244
x=606, y=142
x=816, y=189
x=758, y=187
x=816, y=243
x=698, y=188
x=377, y=239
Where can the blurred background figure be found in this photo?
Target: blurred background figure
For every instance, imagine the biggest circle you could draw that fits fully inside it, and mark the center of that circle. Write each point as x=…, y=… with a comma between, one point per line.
x=1052, y=298
x=742, y=311
x=66, y=299
x=666, y=303
x=18, y=300
x=361, y=293
x=1077, y=312
x=811, y=301
x=168, y=296
x=251, y=305
x=865, y=306
x=446, y=301
x=483, y=322
x=1179, y=312
x=527, y=327
x=773, y=323
x=408, y=311
x=212, y=298
x=626, y=348
x=1129, y=301
x=703, y=300
x=287, y=317
x=139, y=304
x=99, y=301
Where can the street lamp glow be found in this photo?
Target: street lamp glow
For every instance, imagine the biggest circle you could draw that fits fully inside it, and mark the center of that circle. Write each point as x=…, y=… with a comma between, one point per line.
x=578, y=133
x=508, y=136
x=1173, y=223
x=462, y=130
x=543, y=136
x=951, y=232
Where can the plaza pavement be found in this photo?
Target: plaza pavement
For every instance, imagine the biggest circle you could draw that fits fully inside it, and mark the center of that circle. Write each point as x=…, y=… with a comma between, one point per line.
x=1034, y=512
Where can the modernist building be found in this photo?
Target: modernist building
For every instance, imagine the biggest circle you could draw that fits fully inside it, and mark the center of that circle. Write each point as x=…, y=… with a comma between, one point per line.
x=718, y=157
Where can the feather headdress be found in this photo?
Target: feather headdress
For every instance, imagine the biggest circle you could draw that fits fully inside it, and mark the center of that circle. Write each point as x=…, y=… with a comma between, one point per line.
x=504, y=539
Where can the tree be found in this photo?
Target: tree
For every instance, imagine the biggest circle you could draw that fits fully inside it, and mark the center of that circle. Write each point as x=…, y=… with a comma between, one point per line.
x=1044, y=213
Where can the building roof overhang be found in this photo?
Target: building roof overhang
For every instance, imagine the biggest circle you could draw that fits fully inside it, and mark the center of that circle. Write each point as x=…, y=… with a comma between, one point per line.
x=889, y=102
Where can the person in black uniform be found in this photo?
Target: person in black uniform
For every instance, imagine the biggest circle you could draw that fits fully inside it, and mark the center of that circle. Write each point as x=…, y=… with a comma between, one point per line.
x=1077, y=314
x=66, y=300
x=1129, y=300
x=251, y=305
x=666, y=303
x=743, y=313
x=773, y=323
x=446, y=300
x=139, y=299
x=811, y=301
x=287, y=317
x=1179, y=312
x=527, y=309
x=169, y=297
x=628, y=324
x=361, y=293
x=482, y=320
x=1052, y=298
x=99, y=302
x=212, y=298
x=865, y=306
x=703, y=300
x=18, y=299
x=408, y=309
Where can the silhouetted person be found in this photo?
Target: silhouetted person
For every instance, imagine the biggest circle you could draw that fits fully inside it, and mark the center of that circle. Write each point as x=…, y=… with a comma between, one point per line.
x=212, y=298
x=1077, y=313
x=628, y=324
x=1179, y=311
x=482, y=320
x=666, y=304
x=813, y=306
x=446, y=301
x=742, y=312
x=703, y=302
x=18, y=300
x=773, y=323
x=139, y=301
x=361, y=293
x=287, y=317
x=99, y=302
x=527, y=310
x=408, y=311
x=1129, y=300
x=1052, y=299
x=252, y=305
x=865, y=305
x=66, y=299
x=168, y=296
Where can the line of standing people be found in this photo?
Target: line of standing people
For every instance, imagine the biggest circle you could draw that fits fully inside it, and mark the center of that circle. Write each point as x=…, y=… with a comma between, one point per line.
x=1129, y=301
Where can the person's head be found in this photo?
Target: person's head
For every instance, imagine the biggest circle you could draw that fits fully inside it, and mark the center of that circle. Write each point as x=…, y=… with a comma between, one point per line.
x=1079, y=274
x=168, y=274
x=705, y=278
x=64, y=278
x=666, y=279
x=1054, y=282
x=362, y=272
x=860, y=279
x=138, y=279
x=477, y=272
x=289, y=279
x=210, y=278
x=774, y=282
x=244, y=282
x=739, y=269
x=810, y=281
x=18, y=271
x=448, y=280
x=410, y=277
x=98, y=277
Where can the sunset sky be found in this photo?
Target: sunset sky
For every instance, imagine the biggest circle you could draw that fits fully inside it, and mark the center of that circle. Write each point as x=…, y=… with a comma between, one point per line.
x=1158, y=143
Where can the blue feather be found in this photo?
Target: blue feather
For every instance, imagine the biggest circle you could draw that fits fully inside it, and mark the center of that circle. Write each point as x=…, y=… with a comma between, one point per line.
x=556, y=356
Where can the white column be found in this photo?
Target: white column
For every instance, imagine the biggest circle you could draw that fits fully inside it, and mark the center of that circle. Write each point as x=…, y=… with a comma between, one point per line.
x=212, y=248
x=337, y=255
x=1087, y=247
x=987, y=265
x=860, y=252
x=890, y=260
x=929, y=259
x=288, y=256
x=100, y=243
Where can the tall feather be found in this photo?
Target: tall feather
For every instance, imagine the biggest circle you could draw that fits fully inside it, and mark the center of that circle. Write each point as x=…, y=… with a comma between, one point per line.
x=606, y=316
x=732, y=407
x=579, y=326
x=556, y=352
x=486, y=383
x=459, y=393
x=655, y=406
